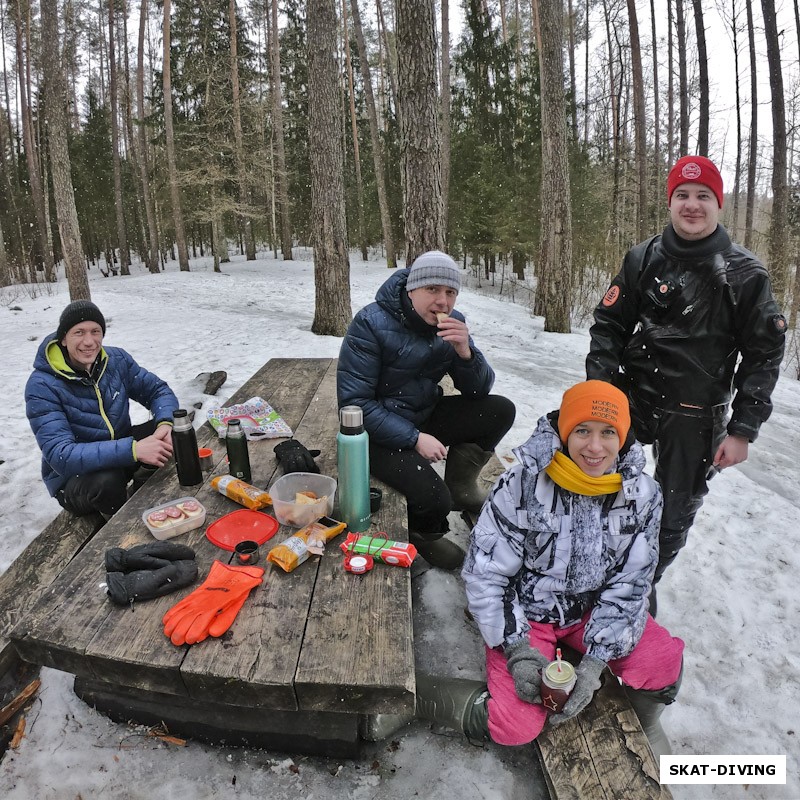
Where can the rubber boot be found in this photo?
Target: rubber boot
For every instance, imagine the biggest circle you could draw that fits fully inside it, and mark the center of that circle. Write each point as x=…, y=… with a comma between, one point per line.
x=464, y=465
x=649, y=706
x=439, y=552
x=456, y=703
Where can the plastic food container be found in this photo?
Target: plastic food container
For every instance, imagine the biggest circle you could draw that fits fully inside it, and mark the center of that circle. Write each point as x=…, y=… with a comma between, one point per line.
x=299, y=513
x=174, y=518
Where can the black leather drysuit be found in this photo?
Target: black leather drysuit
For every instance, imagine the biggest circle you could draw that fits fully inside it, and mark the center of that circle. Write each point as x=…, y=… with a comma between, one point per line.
x=682, y=328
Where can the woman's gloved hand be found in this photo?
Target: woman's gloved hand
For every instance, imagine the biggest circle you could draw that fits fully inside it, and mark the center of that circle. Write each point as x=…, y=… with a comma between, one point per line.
x=525, y=664
x=587, y=682
x=296, y=457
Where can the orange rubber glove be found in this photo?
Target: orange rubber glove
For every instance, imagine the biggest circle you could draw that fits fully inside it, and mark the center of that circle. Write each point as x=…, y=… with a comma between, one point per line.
x=226, y=588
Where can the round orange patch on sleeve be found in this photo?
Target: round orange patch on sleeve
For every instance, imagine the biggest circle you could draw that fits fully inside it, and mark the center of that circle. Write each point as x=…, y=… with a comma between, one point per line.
x=611, y=296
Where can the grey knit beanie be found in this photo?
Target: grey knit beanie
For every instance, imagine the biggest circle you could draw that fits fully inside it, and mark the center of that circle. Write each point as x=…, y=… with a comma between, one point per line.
x=433, y=268
x=76, y=312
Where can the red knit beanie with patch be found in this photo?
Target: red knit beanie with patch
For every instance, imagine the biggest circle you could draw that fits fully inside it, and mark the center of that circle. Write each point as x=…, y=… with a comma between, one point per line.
x=695, y=169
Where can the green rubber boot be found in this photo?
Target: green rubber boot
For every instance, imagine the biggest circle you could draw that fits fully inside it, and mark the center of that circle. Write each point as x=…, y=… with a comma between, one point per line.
x=464, y=465
x=649, y=706
x=440, y=552
x=453, y=702
x=456, y=703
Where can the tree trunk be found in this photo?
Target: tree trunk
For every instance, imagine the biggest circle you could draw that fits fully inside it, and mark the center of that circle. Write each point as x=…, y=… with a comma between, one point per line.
x=152, y=226
x=656, y=108
x=702, y=61
x=778, y=233
x=362, y=234
x=639, y=121
x=556, y=246
x=573, y=102
x=174, y=189
x=670, y=88
x=238, y=138
x=331, y=264
x=444, y=100
x=55, y=103
x=280, y=175
x=377, y=147
x=31, y=155
x=683, y=85
x=420, y=141
x=753, y=143
x=122, y=236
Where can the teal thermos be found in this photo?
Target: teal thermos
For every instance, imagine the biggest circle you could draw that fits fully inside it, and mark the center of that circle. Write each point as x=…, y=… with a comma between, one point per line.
x=352, y=450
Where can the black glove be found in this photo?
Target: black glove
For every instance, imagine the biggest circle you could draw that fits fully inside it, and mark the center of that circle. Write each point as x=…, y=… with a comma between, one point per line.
x=587, y=682
x=146, y=584
x=525, y=664
x=152, y=555
x=295, y=457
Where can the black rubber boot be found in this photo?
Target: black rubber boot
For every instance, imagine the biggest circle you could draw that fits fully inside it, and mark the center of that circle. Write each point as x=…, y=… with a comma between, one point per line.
x=440, y=552
x=464, y=465
x=649, y=706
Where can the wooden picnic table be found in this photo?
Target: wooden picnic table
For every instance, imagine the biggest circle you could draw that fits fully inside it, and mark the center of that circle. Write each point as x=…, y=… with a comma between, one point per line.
x=311, y=650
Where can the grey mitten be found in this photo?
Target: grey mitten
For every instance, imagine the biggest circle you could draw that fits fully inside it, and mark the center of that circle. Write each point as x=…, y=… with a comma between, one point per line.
x=146, y=584
x=152, y=555
x=587, y=682
x=525, y=664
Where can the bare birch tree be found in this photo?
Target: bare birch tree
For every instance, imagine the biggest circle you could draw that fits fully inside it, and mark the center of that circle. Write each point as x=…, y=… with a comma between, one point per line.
x=57, y=124
x=331, y=262
x=778, y=233
x=172, y=166
x=141, y=132
x=119, y=212
x=279, y=172
x=702, y=64
x=555, y=269
x=420, y=139
x=375, y=137
x=238, y=140
x=639, y=121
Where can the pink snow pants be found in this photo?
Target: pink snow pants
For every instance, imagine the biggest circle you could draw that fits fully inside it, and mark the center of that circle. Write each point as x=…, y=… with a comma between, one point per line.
x=654, y=663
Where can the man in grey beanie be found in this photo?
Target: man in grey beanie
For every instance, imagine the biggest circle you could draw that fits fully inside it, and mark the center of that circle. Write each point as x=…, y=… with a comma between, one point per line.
x=77, y=402
x=393, y=356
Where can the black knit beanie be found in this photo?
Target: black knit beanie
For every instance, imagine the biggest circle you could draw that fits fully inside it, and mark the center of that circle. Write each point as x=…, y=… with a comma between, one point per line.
x=77, y=312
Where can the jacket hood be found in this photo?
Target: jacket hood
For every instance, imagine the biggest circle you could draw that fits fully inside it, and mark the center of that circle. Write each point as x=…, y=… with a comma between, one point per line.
x=393, y=298
x=50, y=358
x=536, y=453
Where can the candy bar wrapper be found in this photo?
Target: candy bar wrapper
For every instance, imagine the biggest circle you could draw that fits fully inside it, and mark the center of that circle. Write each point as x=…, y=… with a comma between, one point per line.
x=396, y=554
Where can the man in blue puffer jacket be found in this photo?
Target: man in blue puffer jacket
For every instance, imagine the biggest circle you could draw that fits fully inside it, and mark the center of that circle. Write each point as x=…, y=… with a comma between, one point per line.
x=76, y=401
x=393, y=356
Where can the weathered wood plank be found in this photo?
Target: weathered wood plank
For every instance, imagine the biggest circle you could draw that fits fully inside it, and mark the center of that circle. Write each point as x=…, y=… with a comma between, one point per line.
x=257, y=661
x=325, y=734
x=34, y=570
x=602, y=754
x=357, y=652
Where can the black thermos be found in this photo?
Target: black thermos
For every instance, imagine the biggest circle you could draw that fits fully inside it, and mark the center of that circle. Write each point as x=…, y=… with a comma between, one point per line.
x=184, y=447
x=238, y=456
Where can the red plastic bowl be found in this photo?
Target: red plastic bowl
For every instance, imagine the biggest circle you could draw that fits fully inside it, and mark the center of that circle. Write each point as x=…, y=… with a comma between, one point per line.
x=241, y=525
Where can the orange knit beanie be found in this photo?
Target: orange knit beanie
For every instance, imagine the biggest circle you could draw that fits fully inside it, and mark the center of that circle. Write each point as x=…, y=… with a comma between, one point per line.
x=594, y=400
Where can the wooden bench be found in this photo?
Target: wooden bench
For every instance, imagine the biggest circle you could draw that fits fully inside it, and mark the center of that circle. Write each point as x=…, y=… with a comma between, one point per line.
x=34, y=569
x=311, y=651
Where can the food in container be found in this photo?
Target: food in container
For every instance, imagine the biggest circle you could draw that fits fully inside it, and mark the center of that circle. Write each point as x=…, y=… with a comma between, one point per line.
x=174, y=518
x=292, y=499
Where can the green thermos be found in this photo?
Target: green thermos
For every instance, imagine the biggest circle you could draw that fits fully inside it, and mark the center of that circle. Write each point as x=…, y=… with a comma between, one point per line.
x=352, y=450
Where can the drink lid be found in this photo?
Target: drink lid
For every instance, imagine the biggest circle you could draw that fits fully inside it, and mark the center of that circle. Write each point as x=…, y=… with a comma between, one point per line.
x=556, y=678
x=351, y=417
